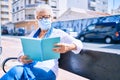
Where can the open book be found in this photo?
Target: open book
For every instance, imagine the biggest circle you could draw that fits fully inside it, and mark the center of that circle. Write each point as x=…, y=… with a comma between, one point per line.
x=40, y=49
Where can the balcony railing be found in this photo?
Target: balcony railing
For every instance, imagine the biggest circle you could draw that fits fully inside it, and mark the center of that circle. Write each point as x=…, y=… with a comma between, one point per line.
x=31, y=5
x=3, y=2
x=4, y=15
x=29, y=17
x=34, y=5
x=92, y=4
x=4, y=9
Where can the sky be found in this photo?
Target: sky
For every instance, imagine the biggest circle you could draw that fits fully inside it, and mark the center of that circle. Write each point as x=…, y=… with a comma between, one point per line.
x=113, y=4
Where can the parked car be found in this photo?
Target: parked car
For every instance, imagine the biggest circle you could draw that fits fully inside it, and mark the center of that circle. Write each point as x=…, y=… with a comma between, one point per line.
x=19, y=31
x=70, y=32
x=4, y=30
x=108, y=32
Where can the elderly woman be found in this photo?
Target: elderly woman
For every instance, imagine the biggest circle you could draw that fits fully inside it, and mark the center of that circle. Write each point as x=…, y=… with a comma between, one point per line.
x=45, y=70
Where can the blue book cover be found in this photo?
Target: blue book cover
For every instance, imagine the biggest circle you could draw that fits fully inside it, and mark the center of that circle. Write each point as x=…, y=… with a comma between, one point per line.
x=40, y=49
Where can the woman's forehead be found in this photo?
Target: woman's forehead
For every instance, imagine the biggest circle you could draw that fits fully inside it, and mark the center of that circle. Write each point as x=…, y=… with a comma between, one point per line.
x=43, y=12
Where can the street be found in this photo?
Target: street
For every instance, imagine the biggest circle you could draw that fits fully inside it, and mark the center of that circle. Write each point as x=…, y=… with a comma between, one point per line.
x=10, y=47
x=98, y=46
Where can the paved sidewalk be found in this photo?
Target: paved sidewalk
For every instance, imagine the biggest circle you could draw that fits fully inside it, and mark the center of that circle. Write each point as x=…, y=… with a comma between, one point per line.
x=12, y=47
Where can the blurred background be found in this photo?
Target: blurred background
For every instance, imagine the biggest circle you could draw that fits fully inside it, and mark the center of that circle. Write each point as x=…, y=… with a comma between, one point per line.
x=17, y=16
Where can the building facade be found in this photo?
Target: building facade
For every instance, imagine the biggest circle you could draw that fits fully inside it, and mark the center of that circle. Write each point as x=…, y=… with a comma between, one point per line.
x=5, y=11
x=94, y=5
x=23, y=10
x=116, y=11
x=98, y=5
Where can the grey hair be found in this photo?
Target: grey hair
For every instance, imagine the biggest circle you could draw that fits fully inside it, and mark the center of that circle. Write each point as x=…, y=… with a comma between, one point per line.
x=42, y=7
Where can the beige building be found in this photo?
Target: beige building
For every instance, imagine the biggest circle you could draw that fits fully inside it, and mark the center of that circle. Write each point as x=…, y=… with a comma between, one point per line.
x=76, y=13
x=23, y=12
x=5, y=11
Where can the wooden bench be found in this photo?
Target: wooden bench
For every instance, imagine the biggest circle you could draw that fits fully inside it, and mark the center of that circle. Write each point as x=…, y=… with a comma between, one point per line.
x=93, y=65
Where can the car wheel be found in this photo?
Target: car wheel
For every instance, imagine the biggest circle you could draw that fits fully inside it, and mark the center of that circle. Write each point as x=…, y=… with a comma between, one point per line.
x=82, y=38
x=108, y=40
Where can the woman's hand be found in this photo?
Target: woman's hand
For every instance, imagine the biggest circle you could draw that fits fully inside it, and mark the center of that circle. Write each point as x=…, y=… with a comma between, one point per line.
x=63, y=47
x=24, y=59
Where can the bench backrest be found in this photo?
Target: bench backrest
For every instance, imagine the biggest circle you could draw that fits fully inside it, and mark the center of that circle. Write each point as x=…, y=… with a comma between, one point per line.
x=94, y=65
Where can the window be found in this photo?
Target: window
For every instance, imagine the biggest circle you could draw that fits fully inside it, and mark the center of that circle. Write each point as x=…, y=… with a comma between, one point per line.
x=4, y=19
x=29, y=1
x=104, y=2
x=54, y=17
x=30, y=16
x=98, y=28
x=93, y=0
x=41, y=1
x=103, y=28
x=92, y=27
x=118, y=27
x=92, y=8
x=17, y=19
x=13, y=10
x=54, y=4
x=108, y=28
x=4, y=13
x=4, y=0
x=21, y=6
x=17, y=8
x=4, y=6
x=37, y=1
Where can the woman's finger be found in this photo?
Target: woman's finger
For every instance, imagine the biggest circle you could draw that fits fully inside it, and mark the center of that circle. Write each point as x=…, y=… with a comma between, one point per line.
x=24, y=59
x=58, y=44
x=56, y=49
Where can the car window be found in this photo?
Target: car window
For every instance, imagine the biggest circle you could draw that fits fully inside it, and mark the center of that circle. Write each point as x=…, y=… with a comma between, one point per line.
x=118, y=27
x=91, y=27
x=101, y=28
x=98, y=28
x=108, y=28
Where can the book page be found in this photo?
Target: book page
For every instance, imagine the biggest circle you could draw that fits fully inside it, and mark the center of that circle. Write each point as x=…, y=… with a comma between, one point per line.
x=47, y=46
x=32, y=48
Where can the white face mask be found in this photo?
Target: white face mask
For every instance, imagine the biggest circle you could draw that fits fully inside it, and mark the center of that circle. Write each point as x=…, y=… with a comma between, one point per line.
x=44, y=24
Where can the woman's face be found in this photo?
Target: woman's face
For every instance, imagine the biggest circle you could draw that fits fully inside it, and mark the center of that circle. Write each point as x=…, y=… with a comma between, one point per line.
x=44, y=20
